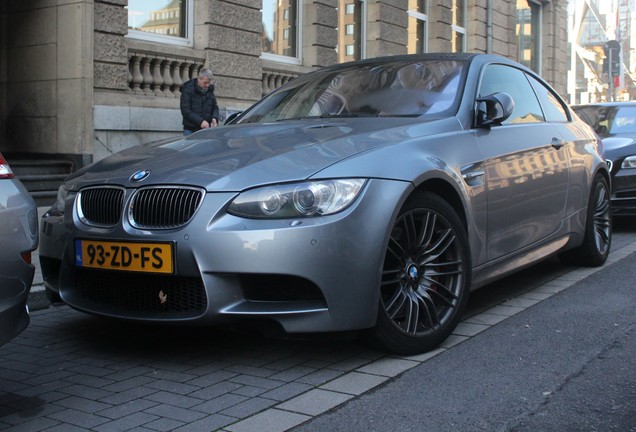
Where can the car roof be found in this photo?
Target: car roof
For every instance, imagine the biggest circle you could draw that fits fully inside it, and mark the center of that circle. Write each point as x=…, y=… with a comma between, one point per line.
x=466, y=57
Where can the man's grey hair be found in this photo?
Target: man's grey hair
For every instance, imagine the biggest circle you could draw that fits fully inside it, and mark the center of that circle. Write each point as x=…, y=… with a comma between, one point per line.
x=206, y=73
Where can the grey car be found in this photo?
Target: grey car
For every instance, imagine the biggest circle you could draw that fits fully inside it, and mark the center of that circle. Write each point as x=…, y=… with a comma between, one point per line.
x=370, y=196
x=18, y=238
x=615, y=123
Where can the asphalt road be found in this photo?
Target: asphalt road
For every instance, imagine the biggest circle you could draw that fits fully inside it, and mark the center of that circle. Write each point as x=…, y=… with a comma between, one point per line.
x=565, y=364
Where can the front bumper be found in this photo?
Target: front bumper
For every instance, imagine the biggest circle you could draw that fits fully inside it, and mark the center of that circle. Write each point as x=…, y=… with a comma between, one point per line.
x=14, y=312
x=624, y=193
x=309, y=275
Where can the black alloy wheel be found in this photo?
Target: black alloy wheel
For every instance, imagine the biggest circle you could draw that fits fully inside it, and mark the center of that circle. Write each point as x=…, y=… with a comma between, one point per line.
x=594, y=250
x=425, y=277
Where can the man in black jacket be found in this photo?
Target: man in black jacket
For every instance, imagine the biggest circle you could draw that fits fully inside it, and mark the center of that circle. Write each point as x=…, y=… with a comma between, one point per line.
x=198, y=103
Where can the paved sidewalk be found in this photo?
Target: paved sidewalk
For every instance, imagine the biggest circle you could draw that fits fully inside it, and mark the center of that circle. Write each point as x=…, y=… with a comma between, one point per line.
x=71, y=371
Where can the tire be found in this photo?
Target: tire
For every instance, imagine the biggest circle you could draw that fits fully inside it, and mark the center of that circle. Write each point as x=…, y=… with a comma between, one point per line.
x=594, y=250
x=425, y=278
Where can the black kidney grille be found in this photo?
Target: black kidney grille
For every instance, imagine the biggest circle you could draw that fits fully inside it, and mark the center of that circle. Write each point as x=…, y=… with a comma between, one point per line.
x=101, y=206
x=141, y=295
x=164, y=208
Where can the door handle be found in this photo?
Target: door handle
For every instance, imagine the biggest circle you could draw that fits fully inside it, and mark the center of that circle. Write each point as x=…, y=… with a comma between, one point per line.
x=557, y=143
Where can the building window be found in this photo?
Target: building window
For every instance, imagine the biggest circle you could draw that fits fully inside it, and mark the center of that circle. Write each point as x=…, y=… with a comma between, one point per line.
x=417, y=27
x=458, y=42
x=529, y=34
x=161, y=21
x=351, y=30
x=280, y=36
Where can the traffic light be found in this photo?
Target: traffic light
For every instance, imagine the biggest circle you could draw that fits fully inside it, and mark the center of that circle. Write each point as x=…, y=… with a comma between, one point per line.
x=612, y=62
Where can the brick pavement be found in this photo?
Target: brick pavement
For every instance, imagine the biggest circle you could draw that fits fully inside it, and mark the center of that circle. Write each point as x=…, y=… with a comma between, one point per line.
x=71, y=371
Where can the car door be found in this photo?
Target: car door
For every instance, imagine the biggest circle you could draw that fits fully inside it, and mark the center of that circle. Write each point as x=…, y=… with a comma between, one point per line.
x=526, y=167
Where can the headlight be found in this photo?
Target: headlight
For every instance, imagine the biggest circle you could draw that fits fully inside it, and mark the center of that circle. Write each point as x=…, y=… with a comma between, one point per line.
x=315, y=198
x=629, y=162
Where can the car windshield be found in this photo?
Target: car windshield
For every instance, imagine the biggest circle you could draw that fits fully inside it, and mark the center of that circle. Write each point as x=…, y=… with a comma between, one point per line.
x=396, y=89
x=609, y=120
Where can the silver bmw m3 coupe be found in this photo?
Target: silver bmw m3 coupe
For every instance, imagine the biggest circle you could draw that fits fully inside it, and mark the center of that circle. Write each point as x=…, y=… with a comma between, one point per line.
x=370, y=196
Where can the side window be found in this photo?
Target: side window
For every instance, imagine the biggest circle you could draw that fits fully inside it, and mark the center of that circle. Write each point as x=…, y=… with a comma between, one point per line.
x=168, y=22
x=502, y=78
x=553, y=108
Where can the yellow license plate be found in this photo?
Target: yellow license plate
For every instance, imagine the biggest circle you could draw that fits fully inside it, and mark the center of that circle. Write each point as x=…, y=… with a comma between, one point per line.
x=127, y=256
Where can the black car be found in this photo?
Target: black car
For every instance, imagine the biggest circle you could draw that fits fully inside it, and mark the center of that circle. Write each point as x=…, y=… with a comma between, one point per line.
x=615, y=123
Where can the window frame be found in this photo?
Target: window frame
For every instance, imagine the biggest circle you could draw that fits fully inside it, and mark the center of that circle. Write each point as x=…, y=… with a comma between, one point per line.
x=360, y=30
x=423, y=18
x=297, y=59
x=188, y=40
x=458, y=29
x=536, y=20
x=527, y=88
x=549, y=108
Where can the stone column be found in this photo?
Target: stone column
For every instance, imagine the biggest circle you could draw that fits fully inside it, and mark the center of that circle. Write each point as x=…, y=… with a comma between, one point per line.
x=49, y=84
x=387, y=23
x=320, y=19
x=232, y=30
x=440, y=20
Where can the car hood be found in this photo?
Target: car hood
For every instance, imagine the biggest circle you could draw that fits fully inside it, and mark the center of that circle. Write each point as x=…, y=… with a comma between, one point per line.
x=618, y=146
x=232, y=158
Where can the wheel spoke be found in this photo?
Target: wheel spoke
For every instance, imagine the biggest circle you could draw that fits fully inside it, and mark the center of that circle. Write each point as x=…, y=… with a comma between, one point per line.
x=396, y=304
x=391, y=276
x=412, y=318
x=439, y=248
x=602, y=221
x=454, y=268
x=431, y=314
x=443, y=293
x=427, y=229
x=411, y=232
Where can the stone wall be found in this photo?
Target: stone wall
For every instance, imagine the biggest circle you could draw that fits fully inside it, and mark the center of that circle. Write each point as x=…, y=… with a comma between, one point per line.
x=48, y=98
x=110, y=67
x=320, y=37
x=233, y=48
x=386, y=28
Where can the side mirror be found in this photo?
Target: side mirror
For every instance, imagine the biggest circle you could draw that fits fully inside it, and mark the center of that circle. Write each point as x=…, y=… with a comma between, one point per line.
x=494, y=109
x=230, y=119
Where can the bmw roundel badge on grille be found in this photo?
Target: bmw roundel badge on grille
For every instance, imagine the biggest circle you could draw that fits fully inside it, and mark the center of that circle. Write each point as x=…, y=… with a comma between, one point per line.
x=139, y=175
